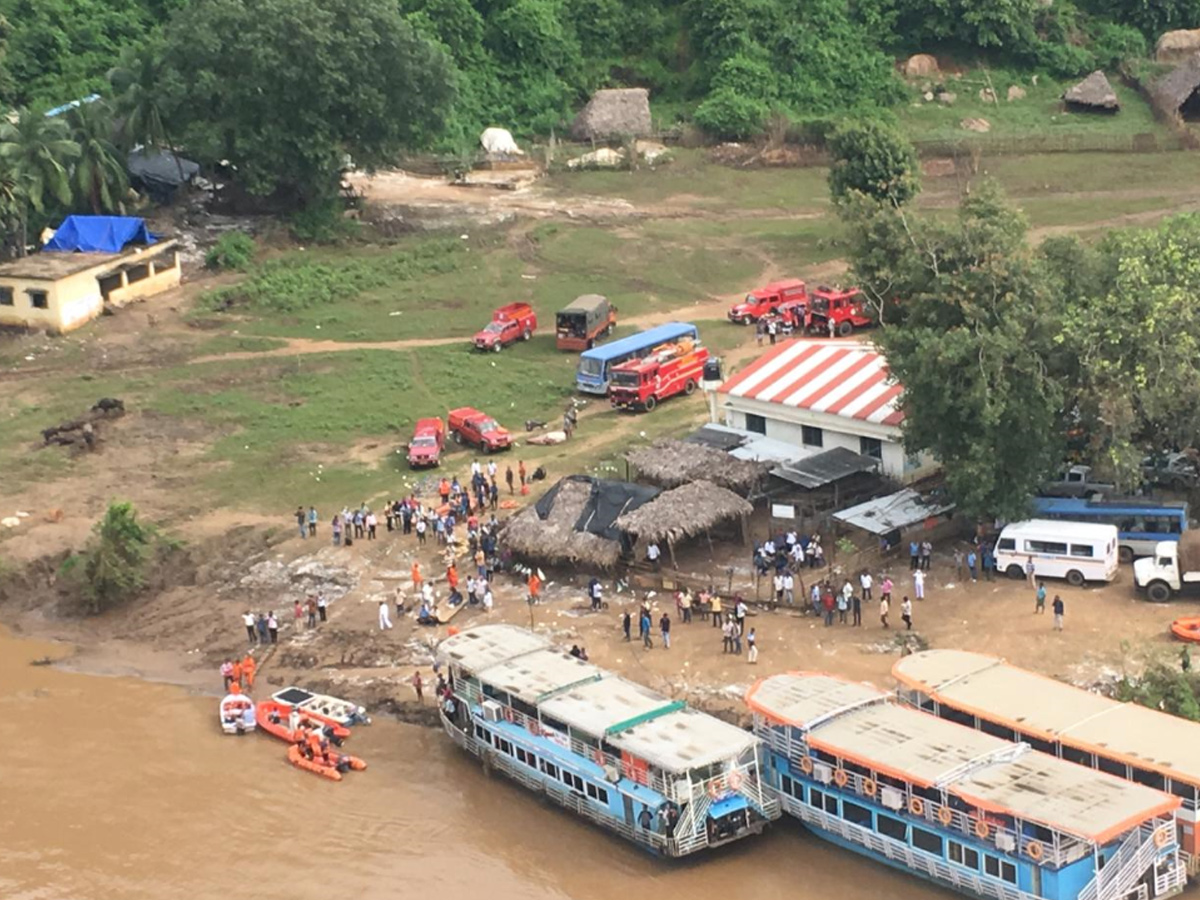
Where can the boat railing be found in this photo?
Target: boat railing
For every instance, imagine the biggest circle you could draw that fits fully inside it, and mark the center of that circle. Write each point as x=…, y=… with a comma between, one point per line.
x=1058, y=852
x=1147, y=846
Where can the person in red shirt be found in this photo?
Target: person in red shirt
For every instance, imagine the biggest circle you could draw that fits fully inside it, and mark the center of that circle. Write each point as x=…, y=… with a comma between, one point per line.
x=535, y=587
x=827, y=604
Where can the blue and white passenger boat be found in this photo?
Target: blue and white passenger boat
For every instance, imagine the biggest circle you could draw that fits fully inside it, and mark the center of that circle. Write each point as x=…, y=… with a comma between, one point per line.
x=965, y=809
x=672, y=779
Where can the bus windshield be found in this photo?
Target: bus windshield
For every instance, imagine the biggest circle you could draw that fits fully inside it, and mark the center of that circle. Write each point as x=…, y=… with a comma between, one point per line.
x=589, y=366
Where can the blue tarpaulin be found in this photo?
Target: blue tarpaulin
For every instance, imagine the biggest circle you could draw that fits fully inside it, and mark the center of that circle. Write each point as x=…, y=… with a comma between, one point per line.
x=99, y=234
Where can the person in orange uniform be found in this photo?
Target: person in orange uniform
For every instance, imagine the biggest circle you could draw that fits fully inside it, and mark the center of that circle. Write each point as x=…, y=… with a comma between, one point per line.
x=535, y=587
x=416, y=577
x=237, y=674
x=452, y=577
x=249, y=668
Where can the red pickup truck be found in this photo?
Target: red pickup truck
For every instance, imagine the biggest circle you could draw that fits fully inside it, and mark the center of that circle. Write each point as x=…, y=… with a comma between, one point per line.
x=469, y=426
x=425, y=447
x=768, y=300
x=511, y=323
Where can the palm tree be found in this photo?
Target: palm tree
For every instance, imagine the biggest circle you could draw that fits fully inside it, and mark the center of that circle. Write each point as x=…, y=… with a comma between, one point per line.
x=138, y=86
x=99, y=171
x=38, y=150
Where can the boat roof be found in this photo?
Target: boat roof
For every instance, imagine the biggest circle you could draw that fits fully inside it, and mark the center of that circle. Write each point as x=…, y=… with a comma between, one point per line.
x=684, y=739
x=531, y=676
x=1055, y=711
x=487, y=645
x=984, y=771
x=598, y=706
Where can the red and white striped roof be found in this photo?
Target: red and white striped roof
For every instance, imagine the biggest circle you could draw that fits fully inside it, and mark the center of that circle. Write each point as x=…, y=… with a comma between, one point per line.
x=839, y=378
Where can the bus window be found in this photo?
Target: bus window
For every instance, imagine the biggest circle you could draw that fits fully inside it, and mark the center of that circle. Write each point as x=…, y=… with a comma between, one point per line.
x=1081, y=550
x=1046, y=547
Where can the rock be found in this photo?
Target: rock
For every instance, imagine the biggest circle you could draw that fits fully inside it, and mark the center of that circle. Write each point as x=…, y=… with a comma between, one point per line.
x=987, y=95
x=1176, y=46
x=1015, y=92
x=603, y=158
x=928, y=96
x=937, y=168
x=651, y=151
x=947, y=98
x=1093, y=94
x=981, y=125
x=920, y=65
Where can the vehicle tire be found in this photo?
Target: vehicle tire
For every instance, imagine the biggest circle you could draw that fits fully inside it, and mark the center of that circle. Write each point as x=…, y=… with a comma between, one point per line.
x=689, y=388
x=1158, y=592
x=1125, y=555
x=1015, y=572
x=457, y=435
x=1075, y=578
x=497, y=347
x=526, y=334
x=651, y=402
x=845, y=329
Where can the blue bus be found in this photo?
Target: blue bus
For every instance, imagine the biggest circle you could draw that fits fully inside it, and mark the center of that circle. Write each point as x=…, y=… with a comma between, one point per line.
x=1140, y=523
x=595, y=364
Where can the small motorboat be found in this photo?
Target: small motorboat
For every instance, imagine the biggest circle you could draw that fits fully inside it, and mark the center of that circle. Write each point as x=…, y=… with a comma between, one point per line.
x=236, y=713
x=276, y=719
x=333, y=769
x=1187, y=629
x=342, y=712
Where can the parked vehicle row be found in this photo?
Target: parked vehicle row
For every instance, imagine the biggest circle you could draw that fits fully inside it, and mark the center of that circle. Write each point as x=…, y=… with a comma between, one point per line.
x=579, y=326
x=824, y=310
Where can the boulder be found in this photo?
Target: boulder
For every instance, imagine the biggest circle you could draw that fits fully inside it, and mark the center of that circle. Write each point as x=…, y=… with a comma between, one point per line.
x=614, y=113
x=499, y=142
x=1015, y=92
x=1094, y=93
x=947, y=98
x=602, y=158
x=919, y=66
x=987, y=95
x=927, y=96
x=981, y=125
x=1176, y=46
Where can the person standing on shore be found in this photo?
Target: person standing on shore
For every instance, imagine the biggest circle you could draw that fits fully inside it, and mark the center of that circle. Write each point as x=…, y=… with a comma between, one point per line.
x=322, y=604
x=752, y=647
x=919, y=584
x=249, y=669
x=300, y=521
x=248, y=621
x=626, y=625
x=972, y=559
x=227, y=673
x=664, y=628
x=866, y=583
x=312, y=521
x=884, y=606
x=1039, y=600
x=727, y=635
x=906, y=613
x=385, y=620
x=1058, y=608
x=273, y=627
x=1030, y=570
x=264, y=636
x=418, y=685
x=856, y=611
x=886, y=587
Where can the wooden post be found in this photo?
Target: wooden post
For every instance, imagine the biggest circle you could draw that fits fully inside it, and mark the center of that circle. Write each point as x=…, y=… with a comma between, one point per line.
x=708, y=537
x=745, y=530
x=671, y=550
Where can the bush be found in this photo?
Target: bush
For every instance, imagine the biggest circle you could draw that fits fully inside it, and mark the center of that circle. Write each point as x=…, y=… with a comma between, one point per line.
x=233, y=250
x=112, y=568
x=729, y=115
x=322, y=222
x=872, y=158
x=1113, y=44
x=1063, y=60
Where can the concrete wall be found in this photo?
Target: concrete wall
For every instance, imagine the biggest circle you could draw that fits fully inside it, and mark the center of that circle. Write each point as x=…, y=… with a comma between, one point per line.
x=165, y=273
x=786, y=424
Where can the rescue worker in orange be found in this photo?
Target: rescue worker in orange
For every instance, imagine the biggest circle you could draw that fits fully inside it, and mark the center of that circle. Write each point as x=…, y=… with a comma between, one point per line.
x=416, y=576
x=249, y=668
x=236, y=675
x=535, y=587
x=444, y=490
x=452, y=577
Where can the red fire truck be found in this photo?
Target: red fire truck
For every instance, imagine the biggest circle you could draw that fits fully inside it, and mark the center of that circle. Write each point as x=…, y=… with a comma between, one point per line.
x=832, y=310
x=640, y=384
x=767, y=300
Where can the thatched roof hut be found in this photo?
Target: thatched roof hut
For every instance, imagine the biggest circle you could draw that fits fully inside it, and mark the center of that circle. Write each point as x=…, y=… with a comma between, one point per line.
x=1176, y=90
x=671, y=463
x=684, y=512
x=554, y=539
x=1094, y=93
x=614, y=113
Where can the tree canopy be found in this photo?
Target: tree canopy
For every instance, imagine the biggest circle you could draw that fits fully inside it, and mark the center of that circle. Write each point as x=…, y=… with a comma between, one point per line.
x=870, y=157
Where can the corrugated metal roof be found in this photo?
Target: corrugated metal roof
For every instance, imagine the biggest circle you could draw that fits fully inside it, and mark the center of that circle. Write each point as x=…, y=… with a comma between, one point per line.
x=840, y=378
x=992, y=773
x=825, y=468
x=1049, y=709
x=895, y=511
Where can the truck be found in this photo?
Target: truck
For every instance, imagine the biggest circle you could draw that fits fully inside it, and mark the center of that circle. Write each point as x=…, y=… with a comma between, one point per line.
x=833, y=310
x=640, y=384
x=1076, y=481
x=766, y=301
x=1173, y=569
x=510, y=323
x=588, y=318
x=425, y=446
x=469, y=426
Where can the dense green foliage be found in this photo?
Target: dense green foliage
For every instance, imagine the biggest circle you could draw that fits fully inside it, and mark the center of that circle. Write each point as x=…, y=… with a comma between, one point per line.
x=1163, y=688
x=872, y=158
x=113, y=566
x=233, y=250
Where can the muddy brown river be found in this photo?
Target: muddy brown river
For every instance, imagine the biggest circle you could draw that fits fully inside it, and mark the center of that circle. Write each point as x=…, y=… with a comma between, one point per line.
x=115, y=789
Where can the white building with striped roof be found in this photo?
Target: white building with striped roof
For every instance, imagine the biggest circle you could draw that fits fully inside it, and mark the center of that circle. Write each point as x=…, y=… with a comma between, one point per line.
x=817, y=394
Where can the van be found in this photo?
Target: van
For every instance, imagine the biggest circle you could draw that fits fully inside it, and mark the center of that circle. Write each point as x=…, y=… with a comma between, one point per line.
x=1076, y=551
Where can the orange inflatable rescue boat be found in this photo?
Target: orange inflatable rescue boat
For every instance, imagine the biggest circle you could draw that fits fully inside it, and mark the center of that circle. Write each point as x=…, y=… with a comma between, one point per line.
x=318, y=766
x=1187, y=629
x=276, y=719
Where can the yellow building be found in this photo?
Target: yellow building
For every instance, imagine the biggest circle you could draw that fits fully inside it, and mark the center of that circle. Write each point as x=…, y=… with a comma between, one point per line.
x=58, y=291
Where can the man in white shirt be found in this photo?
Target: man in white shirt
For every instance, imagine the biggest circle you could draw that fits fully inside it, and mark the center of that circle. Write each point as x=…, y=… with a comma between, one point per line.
x=652, y=554
x=789, y=588
x=248, y=621
x=769, y=549
x=919, y=584
x=865, y=580
x=778, y=588
x=492, y=469
x=476, y=468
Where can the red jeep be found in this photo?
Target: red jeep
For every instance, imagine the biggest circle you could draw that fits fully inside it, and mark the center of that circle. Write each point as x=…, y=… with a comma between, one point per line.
x=425, y=447
x=469, y=426
x=511, y=323
x=767, y=300
x=833, y=310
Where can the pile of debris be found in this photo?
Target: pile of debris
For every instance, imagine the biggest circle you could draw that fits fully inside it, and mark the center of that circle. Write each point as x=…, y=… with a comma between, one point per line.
x=84, y=432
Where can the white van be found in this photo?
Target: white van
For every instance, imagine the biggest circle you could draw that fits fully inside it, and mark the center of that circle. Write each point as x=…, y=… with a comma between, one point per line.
x=1076, y=551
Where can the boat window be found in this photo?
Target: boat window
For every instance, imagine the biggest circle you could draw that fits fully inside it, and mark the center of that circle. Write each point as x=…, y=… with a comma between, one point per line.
x=482, y=734
x=1113, y=767
x=816, y=798
x=956, y=715
x=1000, y=868
x=1150, y=779
x=503, y=746
x=927, y=841
x=859, y=815
x=548, y=722
x=1071, y=754
x=527, y=758
x=791, y=786
x=573, y=781
x=1184, y=790
x=964, y=856
x=550, y=769
x=598, y=794
x=524, y=708
x=997, y=730
x=892, y=828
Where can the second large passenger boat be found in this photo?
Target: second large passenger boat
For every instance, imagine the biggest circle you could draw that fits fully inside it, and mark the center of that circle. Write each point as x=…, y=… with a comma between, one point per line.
x=967, y=810
x=672, y=779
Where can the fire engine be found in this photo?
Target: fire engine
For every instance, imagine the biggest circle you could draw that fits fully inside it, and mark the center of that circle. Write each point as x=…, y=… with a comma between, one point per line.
x=668, y=370
x=844, y=309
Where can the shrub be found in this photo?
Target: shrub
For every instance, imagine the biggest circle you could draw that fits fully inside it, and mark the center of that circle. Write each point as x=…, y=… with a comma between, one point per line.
x=872, y=158
x=112, y=568
x=732, y=116
x=1113, y=44
x=233, y=250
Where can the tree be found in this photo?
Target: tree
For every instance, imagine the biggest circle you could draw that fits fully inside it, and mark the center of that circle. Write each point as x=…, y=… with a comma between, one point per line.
x=99, y=174
x=140, y=86
x=114, y=562
x=872, y=158
x=287, y=89
x=38, y=150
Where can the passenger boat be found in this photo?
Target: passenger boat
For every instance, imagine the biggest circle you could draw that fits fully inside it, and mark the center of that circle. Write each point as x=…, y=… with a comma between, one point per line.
x=236, y=713
x=276, y=720
x=343, y=712
x=964, y=809
x=1124, y=739
x=333, y=771
x=671, y=779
